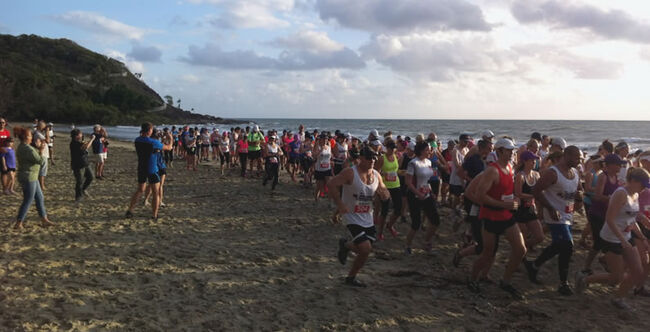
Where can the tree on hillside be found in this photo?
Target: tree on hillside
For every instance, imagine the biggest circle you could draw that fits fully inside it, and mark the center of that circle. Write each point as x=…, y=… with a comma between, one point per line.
x=179, y=103
x=169, y=99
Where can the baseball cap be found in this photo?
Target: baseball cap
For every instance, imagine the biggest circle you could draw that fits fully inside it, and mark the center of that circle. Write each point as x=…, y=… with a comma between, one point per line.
x=559, y=141
x=527, y=155
x=488, y=133
x=410, y=145
x=613, y=158
x=491, y=157
x=50, y=124
x=464, y=137
x=536, y=136
x=256, y=128
x=505, y=143
x=374, y=133
x=622, y=145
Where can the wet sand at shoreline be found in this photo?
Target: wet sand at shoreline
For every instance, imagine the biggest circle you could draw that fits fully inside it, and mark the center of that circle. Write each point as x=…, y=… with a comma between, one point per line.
x=228, y=255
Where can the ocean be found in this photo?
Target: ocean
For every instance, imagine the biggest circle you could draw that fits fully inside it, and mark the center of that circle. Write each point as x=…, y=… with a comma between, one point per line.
x=587, y=135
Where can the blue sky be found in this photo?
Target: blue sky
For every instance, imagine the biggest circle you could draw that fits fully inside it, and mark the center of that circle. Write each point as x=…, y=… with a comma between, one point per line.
x=504, y=59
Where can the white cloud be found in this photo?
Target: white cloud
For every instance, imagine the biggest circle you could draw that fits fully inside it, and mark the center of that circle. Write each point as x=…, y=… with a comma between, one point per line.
x=248, y=14
x=610, y=24
x=582, y=67
x=189, y=78
x=393, y=16
x=133, y=65
x=145, y=53
x=100, y=24
x=312, y=41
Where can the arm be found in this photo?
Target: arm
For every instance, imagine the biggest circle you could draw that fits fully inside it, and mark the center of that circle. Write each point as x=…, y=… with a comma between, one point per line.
x=548, y=178
x=378, y=164
x=334, y=185
x=589, y=177
x=86, y=145
x=4, y=163
x=600, y=188
x=616, y=203
x=382, y=191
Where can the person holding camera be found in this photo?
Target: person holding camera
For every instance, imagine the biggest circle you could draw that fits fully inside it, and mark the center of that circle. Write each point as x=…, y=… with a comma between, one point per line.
x=79, y=163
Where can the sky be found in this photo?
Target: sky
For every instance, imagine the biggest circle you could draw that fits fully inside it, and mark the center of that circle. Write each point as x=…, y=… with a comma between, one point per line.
x=397, y=59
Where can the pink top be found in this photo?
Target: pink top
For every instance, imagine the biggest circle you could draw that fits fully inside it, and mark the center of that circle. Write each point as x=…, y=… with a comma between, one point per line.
x=242, y=146
x=644, y=202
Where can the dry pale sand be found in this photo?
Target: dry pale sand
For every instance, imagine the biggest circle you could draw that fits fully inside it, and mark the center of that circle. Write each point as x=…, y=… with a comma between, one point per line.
x=228, y=255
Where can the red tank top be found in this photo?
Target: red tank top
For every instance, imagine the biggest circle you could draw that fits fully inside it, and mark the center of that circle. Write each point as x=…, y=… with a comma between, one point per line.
x=500, y=191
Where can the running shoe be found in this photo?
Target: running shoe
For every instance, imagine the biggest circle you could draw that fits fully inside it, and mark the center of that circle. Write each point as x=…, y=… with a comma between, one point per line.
x=353, y=281
x=641, y=291
x=380, y=237
x=565, y=289
x=580, y=283
x=532, y=271
x=474, y=287
x=343, y=251
x=457, y=257
x=510, y=289
x=393, y=231
x=621, y=304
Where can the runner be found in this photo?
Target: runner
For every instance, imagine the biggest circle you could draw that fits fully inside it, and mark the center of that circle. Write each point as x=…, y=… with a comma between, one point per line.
x=146, y=148
x=388, y=165
x=359, y=185
x=622, y=149
x=224, y=151
x=323, y=166
x=205, y=145
x=556, y=192
x=307, y=159
x=168, y=139
x=418, y=173
x=623, y=261
x=340, y=151
x=526, y=215
x=272, y=154
x=644, y=251
x=242, y=151
x=255, y=140
x=293, y=162
x=606, y=184
x=444, y=175
x=8, y=163
x=495, y=192
x=214, y=143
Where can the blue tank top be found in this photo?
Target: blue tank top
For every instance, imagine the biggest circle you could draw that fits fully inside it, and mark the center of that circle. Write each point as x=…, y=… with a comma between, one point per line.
x=599, y=208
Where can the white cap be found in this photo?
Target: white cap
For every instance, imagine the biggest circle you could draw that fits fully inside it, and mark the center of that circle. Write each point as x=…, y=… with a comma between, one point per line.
x=646, y=157
x=559, y=141
x=256, y=128
x=411, y=145
x=491, y=157
x=50, y=124
x=374, y=133
x=505, y=143
x=488, y=134
x=375, y=142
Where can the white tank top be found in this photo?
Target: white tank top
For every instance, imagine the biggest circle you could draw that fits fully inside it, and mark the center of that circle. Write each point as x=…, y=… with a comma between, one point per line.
x=357, y=198
x=561, y=195
x=273, y=150
x=624, y=220
x=341, y=151
x=323, y=162
x=225, y=145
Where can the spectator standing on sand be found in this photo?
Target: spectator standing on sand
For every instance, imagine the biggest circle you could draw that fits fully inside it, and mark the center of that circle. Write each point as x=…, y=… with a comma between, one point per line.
x=79, y=163
x=98, y=150
x=41, y=137
x=30, y=160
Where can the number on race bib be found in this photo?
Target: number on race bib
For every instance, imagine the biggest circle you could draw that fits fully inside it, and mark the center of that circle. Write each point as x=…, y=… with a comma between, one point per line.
x=324, y=165
x=569, y=208
x=274, y=160
x=392, y=176
x=361, y=208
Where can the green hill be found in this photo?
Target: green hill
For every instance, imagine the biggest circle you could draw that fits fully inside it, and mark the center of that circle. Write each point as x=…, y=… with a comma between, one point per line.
x=60, y=81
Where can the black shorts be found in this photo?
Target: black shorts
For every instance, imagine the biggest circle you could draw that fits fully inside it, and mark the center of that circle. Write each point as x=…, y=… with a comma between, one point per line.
x=175, y=144
x=597, y=223
x=396, y=198
x=321, y=175
x=252, y=155
x=148, y=178
x=306, y=163
x=477, y=235
x=362, y=234
x=8, y=170
x=497, y=227
x=191, y=150
x=161, y=172
x=614, y=248
x=294, y=160
x=337, y=168
x=435, y=186
x=525, y=214
x=444, y=176
x=205, y=145
x=224, y=157
x=456, y=190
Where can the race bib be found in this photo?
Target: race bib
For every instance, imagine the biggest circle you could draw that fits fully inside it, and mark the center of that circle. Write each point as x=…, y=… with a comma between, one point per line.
x=474, y=210
x=629, y=228
x=646, y=211
x=507, y=198
x=529, y=203
x=435, y=173
x=568, y=208
x=391, y=176
x=273, y=160
x=361, y=208
x=325, y=165
x=425, y=190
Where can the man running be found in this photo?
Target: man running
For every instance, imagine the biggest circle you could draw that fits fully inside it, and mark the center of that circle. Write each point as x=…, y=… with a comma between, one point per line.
x=255, y=139
x=556, y=192
x=359, y=185
x=146, y=149
x=495, y=192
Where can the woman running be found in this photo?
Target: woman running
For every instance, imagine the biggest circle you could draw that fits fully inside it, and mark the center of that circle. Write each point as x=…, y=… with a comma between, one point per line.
x=214, y=142
x=526, y=216
x=623, y=261
x=242, y=150
x=594, y=167
x=272, y=154
x=224, y=151
x=307, y=159
x=420, y=199
x=388, y=165
x=323, y=167
x=340, y=153
x=29, y=164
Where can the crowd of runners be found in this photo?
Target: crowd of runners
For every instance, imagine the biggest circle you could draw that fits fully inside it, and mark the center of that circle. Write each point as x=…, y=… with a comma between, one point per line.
x=493, y=186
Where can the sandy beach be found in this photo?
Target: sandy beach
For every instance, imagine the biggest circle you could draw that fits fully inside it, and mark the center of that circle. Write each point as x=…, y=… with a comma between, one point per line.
x=227, y=254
